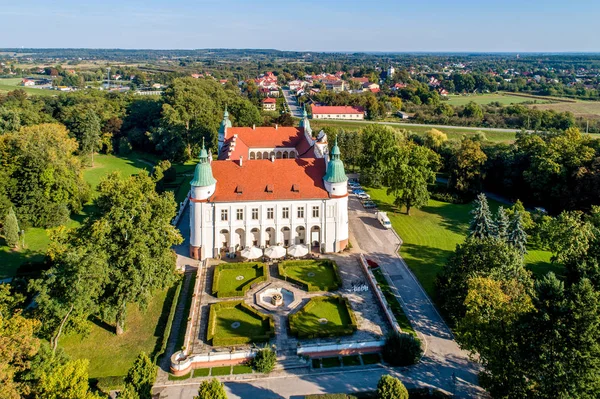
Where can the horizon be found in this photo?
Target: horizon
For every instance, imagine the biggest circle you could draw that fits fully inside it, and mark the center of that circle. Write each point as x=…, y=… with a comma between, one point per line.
x=308, y=26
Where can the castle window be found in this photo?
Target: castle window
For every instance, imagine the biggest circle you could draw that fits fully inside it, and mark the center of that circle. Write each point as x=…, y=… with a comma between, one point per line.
x=285, y=213
x=315, y=211
x=254, y=213
x=240, y=214
x=269, y=213
x=224, y=215
x=301, y=212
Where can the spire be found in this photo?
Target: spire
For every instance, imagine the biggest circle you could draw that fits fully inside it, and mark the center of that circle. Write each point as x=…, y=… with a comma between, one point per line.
x=203, y=175
x=226, y=113
x=335, y=167
x=304, y=114
x=305, y=123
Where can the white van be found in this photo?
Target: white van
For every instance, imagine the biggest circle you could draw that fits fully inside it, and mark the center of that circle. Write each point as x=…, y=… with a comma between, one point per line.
x=384, y=220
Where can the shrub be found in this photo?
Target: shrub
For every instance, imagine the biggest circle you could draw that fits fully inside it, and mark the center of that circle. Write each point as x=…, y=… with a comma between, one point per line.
x=141, y=376
x=264, y=361
x=402, y=349
x=212, y=389
x=389, y=387
x=124, y=146
x=11, y=229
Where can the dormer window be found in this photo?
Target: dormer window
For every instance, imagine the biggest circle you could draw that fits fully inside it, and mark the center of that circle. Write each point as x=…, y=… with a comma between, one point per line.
x=269, y=188
x=295, y=188
x=239, y=189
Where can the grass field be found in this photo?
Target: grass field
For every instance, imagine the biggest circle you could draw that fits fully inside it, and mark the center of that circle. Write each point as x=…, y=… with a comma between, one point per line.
x=10, y=84
x=311, y=318
x=395, y=306
x=430, y=235
x=502, y=98
x=321, y=274
x=583, y=109
x=112, y=355
x=234, y=277
x=232, y=322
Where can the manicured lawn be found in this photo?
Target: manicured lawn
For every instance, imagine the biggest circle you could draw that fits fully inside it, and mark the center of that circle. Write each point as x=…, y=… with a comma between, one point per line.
x=392, y=300
x=106, y=164
x=371, y=358
x=430, y=235
x=112, y=355
x=201, y=372
x=317, y=275
x=322, y=316
x=218, y=371
x=236, y=322
x=179, y=378
x=353, y=360
x=242, y=369
x=329, y=362
x=231, y=279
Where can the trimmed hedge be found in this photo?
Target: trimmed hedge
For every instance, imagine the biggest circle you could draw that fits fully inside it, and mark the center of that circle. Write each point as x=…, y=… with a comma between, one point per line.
x=169, y=326
x=305, y=284
x=237, y=293
x=267, y=323
x=331, y=331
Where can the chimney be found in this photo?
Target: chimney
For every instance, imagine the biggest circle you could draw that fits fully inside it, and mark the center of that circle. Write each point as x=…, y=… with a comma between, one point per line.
x=273, y=158
x=276, y=126
x=253, y=127
x=241, y=159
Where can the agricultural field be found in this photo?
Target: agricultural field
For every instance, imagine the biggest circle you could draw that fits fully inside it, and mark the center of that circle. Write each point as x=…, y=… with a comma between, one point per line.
x=581, y=109
x=10, y=84
x=484, y=99
x=430, y=235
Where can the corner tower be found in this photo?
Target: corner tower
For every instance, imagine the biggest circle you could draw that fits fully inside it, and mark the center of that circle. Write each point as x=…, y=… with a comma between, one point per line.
x=337, y=205
x=305, y=124
x=225, y=123
x=335, y=179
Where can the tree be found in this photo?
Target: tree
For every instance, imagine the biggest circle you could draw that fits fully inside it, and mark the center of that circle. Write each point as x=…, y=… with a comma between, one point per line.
x=526, y=219
x=69, y=381
x=486, y=257
x=434, y=138
x=481, y=225
x=411, y=170
x=141, y=376
x=264, y=360
x=10, y=228
x=44, y=178
x=18, y=345
x=466, y=166
x=516, y=235
x=212, y=389
x=134, y=232
x=378, y=144
x=402, y=349
x=87, y=129
x=502, y=222
x=472, y=110
x=389, y=387
x=570, y=237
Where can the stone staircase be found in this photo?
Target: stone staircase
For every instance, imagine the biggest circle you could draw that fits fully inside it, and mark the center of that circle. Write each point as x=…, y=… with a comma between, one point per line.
x=291, y=362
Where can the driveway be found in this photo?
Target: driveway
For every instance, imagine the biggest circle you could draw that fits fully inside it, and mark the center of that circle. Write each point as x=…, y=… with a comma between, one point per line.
x=292, y=103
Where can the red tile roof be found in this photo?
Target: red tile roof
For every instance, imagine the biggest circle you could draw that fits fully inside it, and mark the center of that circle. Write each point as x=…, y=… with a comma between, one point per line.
x=269, y=100
x=268, y=137
x=306, y=175
x=343, y=109
x=360, y=80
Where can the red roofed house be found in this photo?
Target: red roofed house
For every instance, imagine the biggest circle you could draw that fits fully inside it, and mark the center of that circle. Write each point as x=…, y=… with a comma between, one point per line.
x=27, y=82
x=269, y=104
x=337, y=112
x=269, y=186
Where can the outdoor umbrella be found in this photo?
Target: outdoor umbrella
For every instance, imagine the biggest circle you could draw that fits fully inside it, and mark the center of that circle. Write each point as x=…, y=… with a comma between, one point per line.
x=275, y=252
x=251, y=253
x=297, y=251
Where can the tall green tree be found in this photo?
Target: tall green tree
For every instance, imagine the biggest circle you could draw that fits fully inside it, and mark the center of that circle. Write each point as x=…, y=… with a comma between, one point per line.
x=69, y=381
x=390, y=387
x=211, y=389
x=501, y=224
x=88, y=132
x=134, y=231
x=482, y=225
x=466, y=167
x=141, y=376
x=516, y=235
x=10, y=228
x=378, y=148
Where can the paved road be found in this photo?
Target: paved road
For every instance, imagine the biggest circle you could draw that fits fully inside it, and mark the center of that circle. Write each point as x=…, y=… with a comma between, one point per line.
x=292, y=103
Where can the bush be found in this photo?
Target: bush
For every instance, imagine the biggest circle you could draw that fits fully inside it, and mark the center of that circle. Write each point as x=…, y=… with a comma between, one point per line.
x=124, y=146
x=264, y=361
x=389, y=387
x=402, y=349
x=212, y=389
x=443, y=194
x=141, y=376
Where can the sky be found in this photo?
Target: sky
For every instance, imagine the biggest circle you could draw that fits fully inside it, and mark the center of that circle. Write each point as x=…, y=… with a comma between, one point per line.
x=307, y=25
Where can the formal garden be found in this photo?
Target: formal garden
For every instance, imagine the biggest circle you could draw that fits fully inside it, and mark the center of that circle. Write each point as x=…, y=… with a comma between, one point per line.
x=323, y=317
x=234, y=279
x=235, y=323
x=312, y=275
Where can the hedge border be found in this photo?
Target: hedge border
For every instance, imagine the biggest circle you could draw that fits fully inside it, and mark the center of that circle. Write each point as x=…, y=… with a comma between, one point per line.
x=246, y=287
x=169, y=325
x=305, y=284
x=335, y=331
x=267, y=322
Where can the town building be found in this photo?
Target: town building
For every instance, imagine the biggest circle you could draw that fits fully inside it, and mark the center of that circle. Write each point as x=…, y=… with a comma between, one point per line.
x=268, y=186
x=390, y=72
x=27, y=82
x=337, y=112
x=269, y=104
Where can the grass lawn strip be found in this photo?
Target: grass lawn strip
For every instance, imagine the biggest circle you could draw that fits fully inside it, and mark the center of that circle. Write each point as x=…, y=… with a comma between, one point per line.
x=179, y=378
x=371, y=358
x=205, y=372
x=220, y=371
x=242, y=369
x=329, y=362
x=430, y=235
x=235, y=323
x=314, y=275
x=234, y=279
x=323, y=317
x=395, y=306
x=353, y=360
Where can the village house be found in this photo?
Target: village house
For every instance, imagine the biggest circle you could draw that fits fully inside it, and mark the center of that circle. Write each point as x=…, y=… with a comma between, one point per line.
x=269, y=104
x=337, y=112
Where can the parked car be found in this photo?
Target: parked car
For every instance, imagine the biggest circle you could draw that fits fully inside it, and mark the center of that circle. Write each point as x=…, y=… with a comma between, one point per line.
x=354, y=185
x=353, y=181
x=357, y=191
x=369, y=205
x=384, y=220
x=363, y=196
